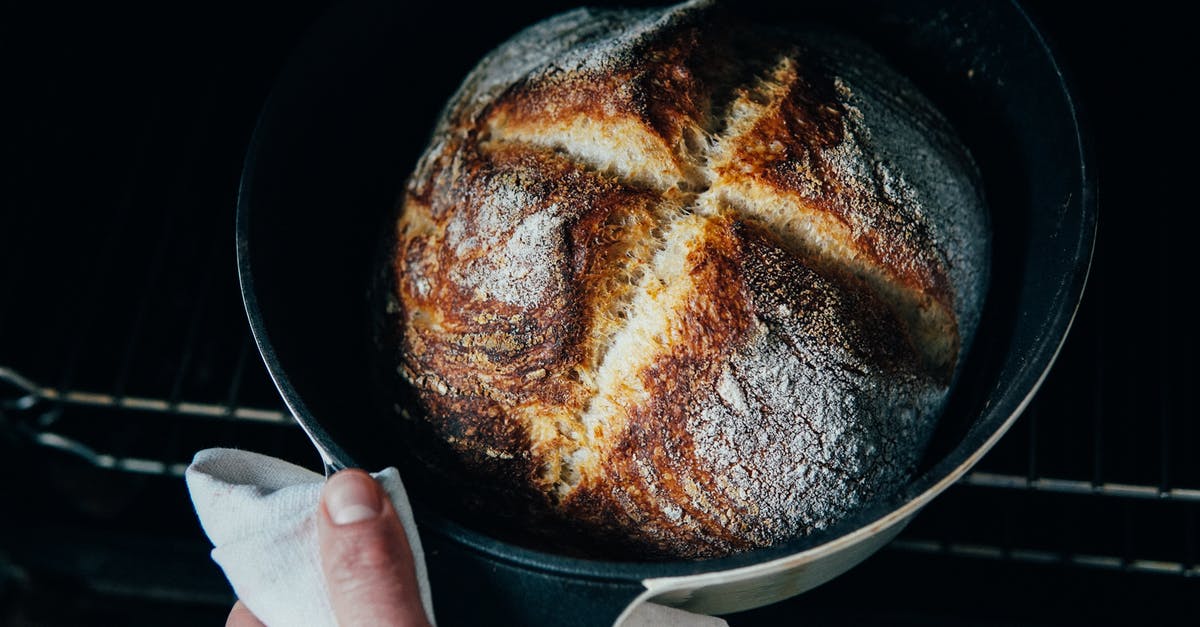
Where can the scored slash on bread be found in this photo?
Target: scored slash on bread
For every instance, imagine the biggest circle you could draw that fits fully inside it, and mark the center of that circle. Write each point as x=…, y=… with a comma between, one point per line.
x=691, y=287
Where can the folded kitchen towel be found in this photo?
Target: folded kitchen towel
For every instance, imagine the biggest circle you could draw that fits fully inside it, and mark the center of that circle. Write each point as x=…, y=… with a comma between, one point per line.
x=260, y=514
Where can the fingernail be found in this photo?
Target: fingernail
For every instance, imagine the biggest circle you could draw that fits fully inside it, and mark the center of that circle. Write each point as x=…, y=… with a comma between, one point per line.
x=351, y=497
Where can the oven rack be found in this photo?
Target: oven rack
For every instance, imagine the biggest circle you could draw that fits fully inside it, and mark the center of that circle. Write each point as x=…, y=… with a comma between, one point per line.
x=54, y=402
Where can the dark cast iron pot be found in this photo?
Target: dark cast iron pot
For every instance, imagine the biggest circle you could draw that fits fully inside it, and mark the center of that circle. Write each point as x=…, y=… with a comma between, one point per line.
x=351, y=113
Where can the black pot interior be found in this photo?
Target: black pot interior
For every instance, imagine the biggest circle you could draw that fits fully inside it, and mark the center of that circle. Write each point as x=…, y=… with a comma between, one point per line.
x=354, y=108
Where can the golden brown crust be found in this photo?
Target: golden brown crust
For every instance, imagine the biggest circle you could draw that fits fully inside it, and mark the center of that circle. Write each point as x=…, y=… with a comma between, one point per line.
x=484, y=354
x=788, y=149
x=640, y=481
x=656, y=482
x=657, y=285
x=798, y=149
x=658, y=92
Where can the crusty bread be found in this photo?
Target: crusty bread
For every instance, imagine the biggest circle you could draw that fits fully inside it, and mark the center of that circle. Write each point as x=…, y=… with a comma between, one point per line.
x=690, y=287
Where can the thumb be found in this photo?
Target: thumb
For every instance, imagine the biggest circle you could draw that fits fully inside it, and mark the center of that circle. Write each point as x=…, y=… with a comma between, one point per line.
x=365, y=556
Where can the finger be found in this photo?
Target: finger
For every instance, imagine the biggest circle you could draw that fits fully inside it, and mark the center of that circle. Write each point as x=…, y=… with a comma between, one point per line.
x=365, y=555
x=241, y=616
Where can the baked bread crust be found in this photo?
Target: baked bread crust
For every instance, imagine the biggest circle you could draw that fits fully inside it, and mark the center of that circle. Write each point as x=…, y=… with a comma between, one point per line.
x=691, y=287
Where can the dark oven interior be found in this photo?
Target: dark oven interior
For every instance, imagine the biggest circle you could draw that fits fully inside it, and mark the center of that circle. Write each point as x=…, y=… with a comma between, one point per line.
x=124, y=347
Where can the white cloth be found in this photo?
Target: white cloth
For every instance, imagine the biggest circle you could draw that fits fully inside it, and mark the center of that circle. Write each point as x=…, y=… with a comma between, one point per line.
x=259, y=512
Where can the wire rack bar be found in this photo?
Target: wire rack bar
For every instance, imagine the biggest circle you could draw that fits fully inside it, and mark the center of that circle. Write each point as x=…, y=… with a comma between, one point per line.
x=1073, y=486
x=1105, y=562
x=235, y=382
x=154, y=272
x=1098, y=409
x=100, y=267
x=187, y=355
x=202, y=410
x=135, y=465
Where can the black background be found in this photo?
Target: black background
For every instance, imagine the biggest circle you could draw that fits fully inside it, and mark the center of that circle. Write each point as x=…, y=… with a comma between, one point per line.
x=92, y=88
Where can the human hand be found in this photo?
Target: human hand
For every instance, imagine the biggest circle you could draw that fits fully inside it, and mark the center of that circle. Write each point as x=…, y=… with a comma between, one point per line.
x=365, y=557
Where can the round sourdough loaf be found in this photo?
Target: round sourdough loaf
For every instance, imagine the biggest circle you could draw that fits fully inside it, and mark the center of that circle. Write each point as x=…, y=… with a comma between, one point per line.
x=686, y=286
